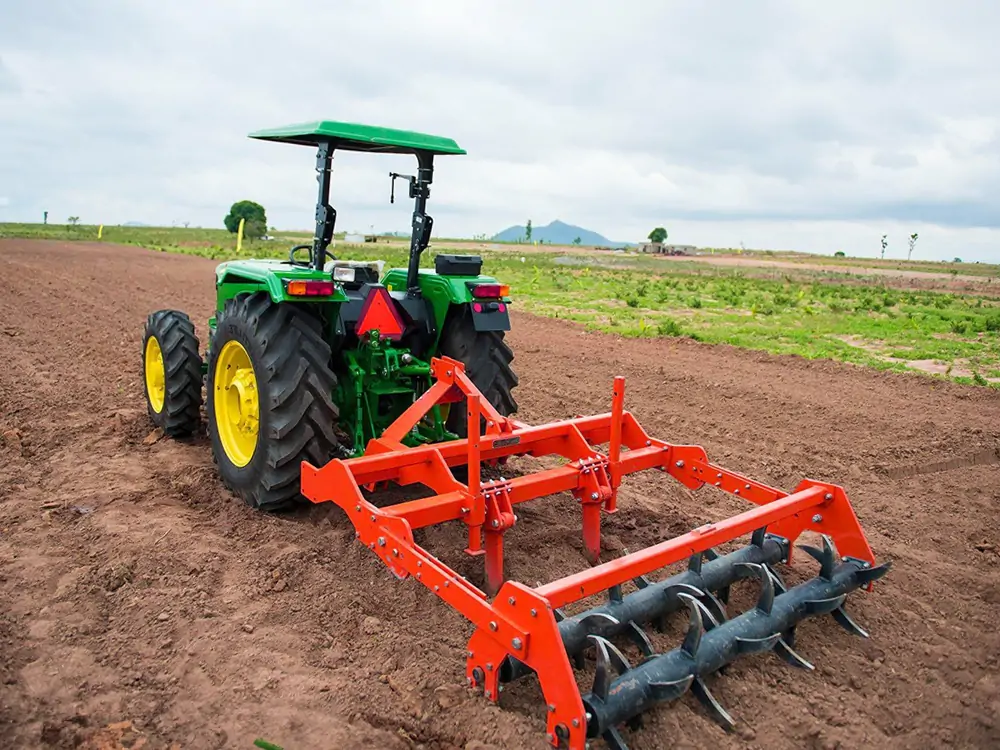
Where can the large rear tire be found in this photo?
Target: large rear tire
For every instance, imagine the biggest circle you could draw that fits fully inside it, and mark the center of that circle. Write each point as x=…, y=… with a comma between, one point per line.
x=487, y=359
x=269, y=398
x=172, y=373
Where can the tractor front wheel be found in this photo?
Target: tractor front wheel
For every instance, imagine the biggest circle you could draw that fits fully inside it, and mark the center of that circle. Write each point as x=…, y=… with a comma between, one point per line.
x=171, y=367
x=487, y=359
x=269, y=406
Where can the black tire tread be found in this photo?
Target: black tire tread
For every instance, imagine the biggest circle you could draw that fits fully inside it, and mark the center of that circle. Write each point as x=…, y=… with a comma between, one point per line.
x=487, y=359
x=295, y=378
x=181, y=414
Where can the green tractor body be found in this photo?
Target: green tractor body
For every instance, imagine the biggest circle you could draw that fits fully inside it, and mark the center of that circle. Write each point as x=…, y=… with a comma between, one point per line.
x=312, y=357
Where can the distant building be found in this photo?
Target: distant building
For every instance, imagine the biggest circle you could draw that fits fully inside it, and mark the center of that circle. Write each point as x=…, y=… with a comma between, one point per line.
x=659, y=248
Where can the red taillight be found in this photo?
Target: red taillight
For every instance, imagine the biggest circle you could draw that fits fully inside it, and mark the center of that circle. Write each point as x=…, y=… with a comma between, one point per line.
x=310, y=288
x=477, y=306
x=492, y=291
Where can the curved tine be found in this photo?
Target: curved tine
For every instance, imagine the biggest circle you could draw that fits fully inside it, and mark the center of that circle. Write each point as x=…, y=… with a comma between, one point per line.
x=757, y=538
x=706, y=613
x=824, y=606
x=615, y=593
x=715, y=609
x=826, y=557
x=710, y=554
x=558, y=614
x=668, y=691
x=675, y=589
x=596, y=619
x=779, y=583
x=616, y=657
x=714, y=708
x=756, y=645
x=845, y=621
x=602, y=681
x=640, y=639
x=641, y=582
x=765, y=602
x=789, y=654
x=864, y=577
x=696, y=627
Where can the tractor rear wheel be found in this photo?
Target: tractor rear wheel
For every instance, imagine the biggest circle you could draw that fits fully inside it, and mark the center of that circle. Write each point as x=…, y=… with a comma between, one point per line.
x=269, y=403
x=172, y=373
x=487, y=359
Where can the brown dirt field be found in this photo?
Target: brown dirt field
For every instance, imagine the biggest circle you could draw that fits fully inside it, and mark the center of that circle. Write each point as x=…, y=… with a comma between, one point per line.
x=135, y=588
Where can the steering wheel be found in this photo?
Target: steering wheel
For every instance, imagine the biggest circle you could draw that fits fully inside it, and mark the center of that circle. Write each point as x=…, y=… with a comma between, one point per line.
x=291, y=255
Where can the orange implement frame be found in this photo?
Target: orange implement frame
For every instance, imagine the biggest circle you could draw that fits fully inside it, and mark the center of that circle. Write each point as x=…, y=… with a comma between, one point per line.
x=519, y=621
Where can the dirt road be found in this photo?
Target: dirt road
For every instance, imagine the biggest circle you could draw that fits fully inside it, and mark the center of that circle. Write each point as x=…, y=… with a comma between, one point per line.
x=133, y=587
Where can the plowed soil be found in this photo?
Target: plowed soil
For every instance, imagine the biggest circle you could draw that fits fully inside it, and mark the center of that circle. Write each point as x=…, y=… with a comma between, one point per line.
x=143, y=605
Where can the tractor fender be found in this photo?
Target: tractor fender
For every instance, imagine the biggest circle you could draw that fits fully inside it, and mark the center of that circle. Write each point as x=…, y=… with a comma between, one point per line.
x=444, y=292
x=243, y=276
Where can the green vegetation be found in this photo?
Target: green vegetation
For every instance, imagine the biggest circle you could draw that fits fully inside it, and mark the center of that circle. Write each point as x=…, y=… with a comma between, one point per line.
x=658, y=235
x=868, y=320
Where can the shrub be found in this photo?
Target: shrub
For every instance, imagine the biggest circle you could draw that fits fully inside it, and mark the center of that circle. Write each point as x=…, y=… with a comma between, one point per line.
x=961, y=327
x=669, y=327
x=992, y=322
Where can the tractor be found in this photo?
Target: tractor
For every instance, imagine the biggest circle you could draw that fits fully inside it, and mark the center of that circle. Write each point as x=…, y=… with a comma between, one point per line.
x=311, y=357
x=326, y=377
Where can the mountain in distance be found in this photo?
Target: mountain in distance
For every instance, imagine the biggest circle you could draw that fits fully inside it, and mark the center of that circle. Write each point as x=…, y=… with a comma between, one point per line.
x=556, y=233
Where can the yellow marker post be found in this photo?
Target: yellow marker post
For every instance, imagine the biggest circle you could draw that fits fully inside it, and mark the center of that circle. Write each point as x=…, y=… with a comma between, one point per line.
x=100, y=231
x=239, y=236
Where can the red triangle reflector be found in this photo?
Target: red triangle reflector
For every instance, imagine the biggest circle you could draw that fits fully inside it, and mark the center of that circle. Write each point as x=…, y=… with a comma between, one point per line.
x=379, y=311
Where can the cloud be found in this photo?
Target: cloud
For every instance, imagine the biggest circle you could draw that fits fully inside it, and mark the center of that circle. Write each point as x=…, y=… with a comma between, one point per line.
x=769, y=115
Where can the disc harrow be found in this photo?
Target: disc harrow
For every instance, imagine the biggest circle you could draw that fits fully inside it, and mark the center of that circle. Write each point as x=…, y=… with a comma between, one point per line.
x=522, y=631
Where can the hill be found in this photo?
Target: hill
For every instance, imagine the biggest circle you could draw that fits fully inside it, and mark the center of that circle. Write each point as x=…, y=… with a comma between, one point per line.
x=556, y=233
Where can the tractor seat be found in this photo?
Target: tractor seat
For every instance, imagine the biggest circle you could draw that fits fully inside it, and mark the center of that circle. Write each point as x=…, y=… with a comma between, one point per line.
x=353, y=274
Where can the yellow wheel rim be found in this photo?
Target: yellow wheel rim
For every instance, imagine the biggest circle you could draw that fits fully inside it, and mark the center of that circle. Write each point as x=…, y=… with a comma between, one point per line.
x=237, y=408
x=156, y=374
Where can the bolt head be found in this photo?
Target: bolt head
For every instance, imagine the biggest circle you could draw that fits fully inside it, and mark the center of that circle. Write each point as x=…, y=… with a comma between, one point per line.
x=381, y=541
x=828, y=496
x=516, y=643
x=493, y=625
x=357, y=508
x=594, y=496
x=679, y=464
x=534, y=612
x=817, y=518
x=576, y=722
x=512, y=601
x=495, y=523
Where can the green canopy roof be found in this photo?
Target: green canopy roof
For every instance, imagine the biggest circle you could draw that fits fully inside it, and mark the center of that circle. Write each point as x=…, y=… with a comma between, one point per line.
x=350, y=136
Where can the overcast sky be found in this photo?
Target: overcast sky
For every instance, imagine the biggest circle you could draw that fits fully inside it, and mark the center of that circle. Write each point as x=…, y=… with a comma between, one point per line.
x=785, y=125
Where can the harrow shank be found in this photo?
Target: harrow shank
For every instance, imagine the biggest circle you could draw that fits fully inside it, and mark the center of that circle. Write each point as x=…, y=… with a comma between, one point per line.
x=519, y=630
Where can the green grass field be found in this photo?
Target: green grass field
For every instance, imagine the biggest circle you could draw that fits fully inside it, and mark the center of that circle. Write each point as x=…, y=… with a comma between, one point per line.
x=868, y=320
